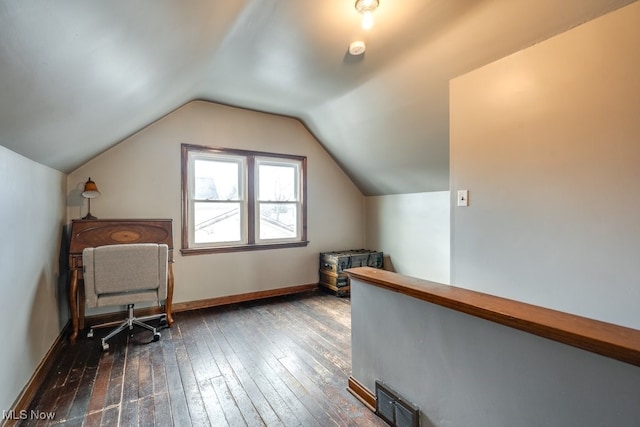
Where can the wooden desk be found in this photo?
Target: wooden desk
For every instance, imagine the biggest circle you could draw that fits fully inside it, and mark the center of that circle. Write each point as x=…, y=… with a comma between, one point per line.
x=101, y=232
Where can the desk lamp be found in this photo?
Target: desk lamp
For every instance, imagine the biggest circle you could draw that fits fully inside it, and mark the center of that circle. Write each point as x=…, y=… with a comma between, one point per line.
x=90, y=192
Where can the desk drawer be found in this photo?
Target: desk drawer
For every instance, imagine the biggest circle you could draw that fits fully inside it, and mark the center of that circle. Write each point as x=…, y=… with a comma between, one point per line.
x=75, y=262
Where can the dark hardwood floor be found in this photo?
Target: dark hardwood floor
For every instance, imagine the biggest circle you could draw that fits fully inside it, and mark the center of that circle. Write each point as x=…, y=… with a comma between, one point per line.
x=284, y=362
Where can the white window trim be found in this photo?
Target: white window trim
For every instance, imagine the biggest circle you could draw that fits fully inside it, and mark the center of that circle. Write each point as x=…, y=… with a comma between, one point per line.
x=298, y=193
x=241, y=161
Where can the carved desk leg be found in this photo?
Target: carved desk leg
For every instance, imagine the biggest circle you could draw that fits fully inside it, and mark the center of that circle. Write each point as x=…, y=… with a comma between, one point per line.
x=73, y=305
x=169, y=301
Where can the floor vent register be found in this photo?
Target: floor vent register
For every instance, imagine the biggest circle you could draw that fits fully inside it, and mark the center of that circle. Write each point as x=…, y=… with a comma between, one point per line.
x=395, y=410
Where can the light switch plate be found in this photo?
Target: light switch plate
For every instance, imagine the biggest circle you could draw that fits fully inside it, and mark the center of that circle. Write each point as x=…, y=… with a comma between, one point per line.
x=463, y=197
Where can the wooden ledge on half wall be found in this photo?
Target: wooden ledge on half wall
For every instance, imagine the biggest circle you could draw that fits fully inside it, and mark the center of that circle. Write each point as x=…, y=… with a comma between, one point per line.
x=607, y=339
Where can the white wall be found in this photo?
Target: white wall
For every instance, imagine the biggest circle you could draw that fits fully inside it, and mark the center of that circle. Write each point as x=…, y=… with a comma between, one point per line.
x=34, y=303
x=413, y=230
x=140, y=178
x=463, y=371
x=546, y=140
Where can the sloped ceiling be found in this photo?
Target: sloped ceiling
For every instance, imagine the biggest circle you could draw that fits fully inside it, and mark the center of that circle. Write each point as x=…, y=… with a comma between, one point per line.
x=77, y=76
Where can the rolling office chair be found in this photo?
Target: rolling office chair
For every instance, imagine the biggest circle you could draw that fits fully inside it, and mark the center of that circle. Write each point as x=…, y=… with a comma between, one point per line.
x=125, y=275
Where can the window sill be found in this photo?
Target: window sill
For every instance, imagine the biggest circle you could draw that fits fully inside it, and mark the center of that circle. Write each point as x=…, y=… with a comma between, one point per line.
x=241, y=248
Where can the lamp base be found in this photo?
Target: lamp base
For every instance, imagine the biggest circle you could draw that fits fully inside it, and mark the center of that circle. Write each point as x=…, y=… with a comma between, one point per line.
x=89, y=216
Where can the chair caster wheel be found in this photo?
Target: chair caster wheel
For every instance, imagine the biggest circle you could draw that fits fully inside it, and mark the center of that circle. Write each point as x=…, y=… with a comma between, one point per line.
x=105, y=346
x=156, y=337
x=163, y=322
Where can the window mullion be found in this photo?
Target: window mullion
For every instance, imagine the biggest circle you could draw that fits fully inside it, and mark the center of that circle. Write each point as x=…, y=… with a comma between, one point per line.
x=251, y=200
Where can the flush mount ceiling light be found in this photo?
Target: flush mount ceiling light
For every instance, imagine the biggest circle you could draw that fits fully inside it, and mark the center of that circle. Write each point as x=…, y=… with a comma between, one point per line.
x=357, y=48
x=366, y=8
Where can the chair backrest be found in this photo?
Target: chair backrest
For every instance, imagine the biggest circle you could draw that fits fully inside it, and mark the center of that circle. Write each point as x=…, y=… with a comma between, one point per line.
x=126, y=268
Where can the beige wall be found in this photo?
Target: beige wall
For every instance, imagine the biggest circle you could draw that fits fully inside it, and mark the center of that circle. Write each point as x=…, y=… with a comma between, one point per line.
x=34, y=308
x=413, y=230
x=140, y=178
x=547, y=142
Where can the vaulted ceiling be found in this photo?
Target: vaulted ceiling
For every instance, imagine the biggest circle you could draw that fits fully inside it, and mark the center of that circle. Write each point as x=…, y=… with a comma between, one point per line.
x=78, y=76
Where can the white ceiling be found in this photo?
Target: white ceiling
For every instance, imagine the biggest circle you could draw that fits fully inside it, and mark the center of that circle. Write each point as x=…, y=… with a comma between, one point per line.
x=79, y=76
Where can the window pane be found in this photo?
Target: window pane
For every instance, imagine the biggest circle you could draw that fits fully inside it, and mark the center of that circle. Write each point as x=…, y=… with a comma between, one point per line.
x=216, y=180
x=278, y=220
x=217, y=222
x=277, y=183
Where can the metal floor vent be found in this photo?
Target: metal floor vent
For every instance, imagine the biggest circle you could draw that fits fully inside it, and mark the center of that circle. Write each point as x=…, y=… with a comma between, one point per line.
x=393, y=409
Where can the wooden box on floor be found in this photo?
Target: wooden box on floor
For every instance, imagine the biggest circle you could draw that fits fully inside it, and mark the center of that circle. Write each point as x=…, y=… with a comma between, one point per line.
x=333, y=264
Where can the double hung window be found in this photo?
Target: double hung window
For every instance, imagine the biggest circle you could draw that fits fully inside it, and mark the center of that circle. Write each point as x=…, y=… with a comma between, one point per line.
x=237, y=200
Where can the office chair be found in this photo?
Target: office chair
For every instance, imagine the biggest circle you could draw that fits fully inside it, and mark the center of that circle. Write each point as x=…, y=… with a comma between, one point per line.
x=125, y=275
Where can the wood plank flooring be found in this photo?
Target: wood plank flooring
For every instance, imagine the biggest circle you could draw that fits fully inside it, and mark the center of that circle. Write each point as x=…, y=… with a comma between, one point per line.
x=284, y=362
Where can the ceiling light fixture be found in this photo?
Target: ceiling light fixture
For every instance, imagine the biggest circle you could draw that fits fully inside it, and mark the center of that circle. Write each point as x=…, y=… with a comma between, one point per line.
x=357, y=48
x=366, y=8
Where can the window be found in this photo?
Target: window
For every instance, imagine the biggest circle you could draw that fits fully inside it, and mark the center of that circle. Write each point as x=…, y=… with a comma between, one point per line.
x=235, y=200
